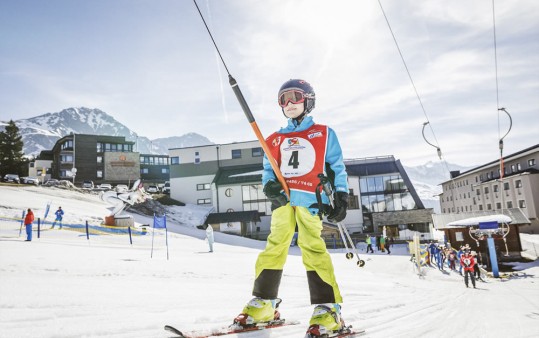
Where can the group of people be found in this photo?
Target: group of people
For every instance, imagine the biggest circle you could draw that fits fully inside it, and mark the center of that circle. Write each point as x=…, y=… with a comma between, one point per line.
x=29, y=221
x=465, y=257
x=383, y=243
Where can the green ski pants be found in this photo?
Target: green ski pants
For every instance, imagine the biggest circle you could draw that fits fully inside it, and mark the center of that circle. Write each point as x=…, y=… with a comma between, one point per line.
x=316, y=259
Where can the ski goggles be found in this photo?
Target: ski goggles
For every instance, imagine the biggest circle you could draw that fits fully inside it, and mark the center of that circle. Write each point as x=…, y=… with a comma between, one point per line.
x=294, y=96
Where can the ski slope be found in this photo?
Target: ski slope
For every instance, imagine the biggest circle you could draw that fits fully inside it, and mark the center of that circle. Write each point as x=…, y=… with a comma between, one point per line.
x=64, y=285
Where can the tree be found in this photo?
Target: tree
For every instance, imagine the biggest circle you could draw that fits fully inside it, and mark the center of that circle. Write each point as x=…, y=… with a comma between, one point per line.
x=11, y=154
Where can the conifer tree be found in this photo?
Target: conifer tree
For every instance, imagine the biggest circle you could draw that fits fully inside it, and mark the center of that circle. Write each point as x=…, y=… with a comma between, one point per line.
x=11, y=154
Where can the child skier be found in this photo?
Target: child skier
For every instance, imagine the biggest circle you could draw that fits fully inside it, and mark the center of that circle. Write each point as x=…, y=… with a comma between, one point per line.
x=302, y=150
x=59, y=215
x=468, y=261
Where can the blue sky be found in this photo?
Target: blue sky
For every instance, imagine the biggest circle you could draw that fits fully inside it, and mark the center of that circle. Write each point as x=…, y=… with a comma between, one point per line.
x=152, y=65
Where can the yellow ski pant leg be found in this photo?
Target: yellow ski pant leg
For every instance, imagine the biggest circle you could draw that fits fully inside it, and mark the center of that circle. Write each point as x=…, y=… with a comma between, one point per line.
x=316, y=259
x=270, y=262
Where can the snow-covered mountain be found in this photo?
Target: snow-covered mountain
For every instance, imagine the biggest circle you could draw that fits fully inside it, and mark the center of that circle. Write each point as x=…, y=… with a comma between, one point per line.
x=41, y=132
x=427, y=179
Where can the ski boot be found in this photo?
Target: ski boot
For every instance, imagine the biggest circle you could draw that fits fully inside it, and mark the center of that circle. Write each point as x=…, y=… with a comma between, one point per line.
x=259, y=312
x=326, y=322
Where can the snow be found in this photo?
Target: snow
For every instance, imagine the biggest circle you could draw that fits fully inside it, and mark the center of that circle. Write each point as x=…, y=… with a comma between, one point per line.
x=64, y=285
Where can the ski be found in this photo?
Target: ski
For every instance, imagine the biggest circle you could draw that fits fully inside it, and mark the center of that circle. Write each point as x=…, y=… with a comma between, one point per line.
x=346, y=331
x=227, y=330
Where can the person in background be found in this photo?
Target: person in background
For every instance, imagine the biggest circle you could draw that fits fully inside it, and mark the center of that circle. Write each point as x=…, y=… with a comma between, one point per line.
x=476, y=269
x=383, y=243
x=209, y=236
x=459, y=255
x=28, y=222
x=468, y=262
x=368, y=240
x=59, y=216
x=388, y=245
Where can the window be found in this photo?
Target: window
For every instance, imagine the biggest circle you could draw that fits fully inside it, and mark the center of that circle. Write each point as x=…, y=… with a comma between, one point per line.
x=489, y=206
x=164, y=171
x=257, y=152
x=478, y=192
x=204, y=201
x=143, y=170
x=531, y=162
x=174, y=160
x=512, y=168
x=522, y=204
x=518, y=184
x=67, y=145
x=99, y=159
x=236, y=153
x=495, y=188
x=66, y=158
x=506, y=186
x=197, y=157
x=498, y=205
x=99, y=147
x=99, y=174
x=486, y=190
x=481, y=207
x=509, y=204
x=203, y=186
x=519, y=167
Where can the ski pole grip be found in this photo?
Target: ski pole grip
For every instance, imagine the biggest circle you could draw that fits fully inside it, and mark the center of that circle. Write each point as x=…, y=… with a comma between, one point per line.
x=241, y=99
x=325, y=184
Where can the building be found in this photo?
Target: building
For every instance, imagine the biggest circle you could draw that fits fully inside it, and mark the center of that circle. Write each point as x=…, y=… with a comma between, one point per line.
x=41, y=167
x=228, y=177
x=389, y=202
x=484, y=189
x=154, y=169
x=98, y=158
x=104, y=159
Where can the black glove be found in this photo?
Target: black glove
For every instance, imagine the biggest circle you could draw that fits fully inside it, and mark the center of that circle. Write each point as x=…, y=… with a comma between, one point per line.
x=272, y=190
x=339, y=211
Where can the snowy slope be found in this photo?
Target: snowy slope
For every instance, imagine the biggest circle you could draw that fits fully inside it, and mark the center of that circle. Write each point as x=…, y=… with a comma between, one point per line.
x=63, y=285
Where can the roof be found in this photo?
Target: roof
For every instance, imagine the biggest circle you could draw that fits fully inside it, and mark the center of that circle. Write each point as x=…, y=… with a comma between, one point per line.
x=248, y=173
x=441, y=221
x=237, y=216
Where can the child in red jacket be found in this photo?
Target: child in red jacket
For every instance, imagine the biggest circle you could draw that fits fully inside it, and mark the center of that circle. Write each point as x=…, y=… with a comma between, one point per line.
x=28, y=220
x=467, y=261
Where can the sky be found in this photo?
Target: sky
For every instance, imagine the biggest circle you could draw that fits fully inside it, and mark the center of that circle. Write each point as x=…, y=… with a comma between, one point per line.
x=153, y=66
x=66, y=285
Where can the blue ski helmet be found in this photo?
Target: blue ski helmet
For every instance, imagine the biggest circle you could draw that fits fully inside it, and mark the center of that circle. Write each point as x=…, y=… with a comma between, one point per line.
x=304, y=87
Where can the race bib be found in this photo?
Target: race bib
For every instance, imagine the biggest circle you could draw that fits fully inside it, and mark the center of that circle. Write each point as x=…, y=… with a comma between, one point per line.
x=297, y=157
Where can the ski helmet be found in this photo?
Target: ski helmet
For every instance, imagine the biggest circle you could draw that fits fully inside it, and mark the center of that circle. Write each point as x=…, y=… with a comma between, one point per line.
x=301, y=86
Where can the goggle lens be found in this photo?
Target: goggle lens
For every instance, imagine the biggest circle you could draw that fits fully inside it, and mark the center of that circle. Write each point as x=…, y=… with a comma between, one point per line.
x=293, y=96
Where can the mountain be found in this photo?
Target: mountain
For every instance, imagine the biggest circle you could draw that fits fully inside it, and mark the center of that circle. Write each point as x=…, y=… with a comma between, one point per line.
x=427, y=179
x=41, y=132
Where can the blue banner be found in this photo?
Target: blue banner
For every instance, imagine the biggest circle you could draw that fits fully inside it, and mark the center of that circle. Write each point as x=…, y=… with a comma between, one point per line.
x=160, y=222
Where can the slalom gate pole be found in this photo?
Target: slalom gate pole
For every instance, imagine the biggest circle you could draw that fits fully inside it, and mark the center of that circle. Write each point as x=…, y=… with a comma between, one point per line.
x=130, y=238
x=38, y=227
x=87, y=231
x=248, y=114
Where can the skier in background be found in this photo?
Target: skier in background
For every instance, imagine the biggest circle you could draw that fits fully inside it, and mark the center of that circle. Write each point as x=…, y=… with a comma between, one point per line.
x=303, y=150
x=468, y=262
x=368, y=240
x=28, y=222
x=59, y=216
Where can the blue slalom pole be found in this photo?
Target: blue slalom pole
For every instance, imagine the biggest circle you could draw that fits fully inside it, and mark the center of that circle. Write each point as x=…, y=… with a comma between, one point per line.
x=130, y=239
x=87, y=231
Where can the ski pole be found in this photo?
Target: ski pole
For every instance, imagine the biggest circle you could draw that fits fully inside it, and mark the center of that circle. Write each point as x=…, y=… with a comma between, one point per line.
x=345, y=235
x=248, y=114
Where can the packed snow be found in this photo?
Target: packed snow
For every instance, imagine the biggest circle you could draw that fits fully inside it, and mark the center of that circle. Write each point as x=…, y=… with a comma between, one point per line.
x=65, y=285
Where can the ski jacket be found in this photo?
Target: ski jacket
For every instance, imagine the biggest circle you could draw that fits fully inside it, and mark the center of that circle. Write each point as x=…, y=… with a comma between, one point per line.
x=368, y=240
x=302, y=152
x=29, y=219
x=59, y=213
x=467, y=261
